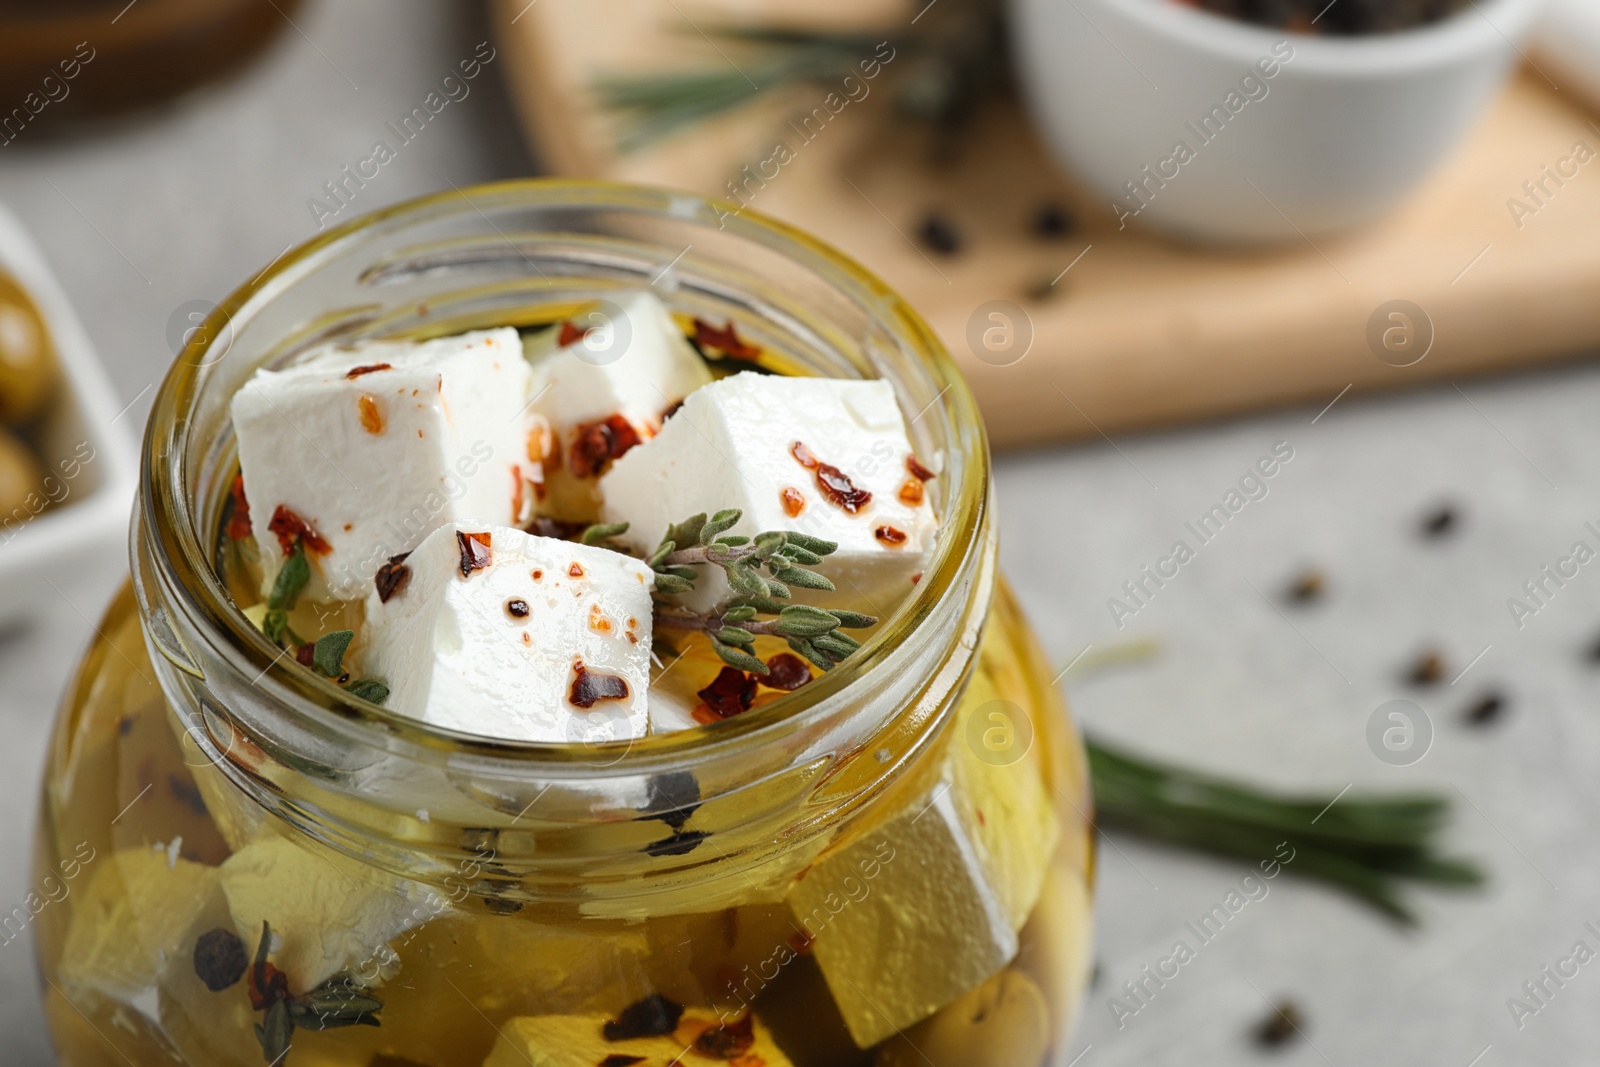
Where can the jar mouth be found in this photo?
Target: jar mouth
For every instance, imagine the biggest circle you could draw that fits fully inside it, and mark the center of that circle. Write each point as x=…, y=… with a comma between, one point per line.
x=173, y=522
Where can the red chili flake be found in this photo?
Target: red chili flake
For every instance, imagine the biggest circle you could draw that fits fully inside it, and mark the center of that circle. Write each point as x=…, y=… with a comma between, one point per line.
x=618, y=1059
x=787, y=672
x=239, y=521
x=917, y=470
x=267, y=986
x=537, y=574
x=729, y=1041
x=306, y=654
x=517, y=608
x=915, y=578
x=725, y=340
x=591, y=687
x=840, y=490
x=368, y=368
x=474, y=552
x=290, y=528
x=596, y=444
x=371, y=414
x=803, y=456
x=392, y=577
x=801, y=941
x=911, y=493
x=890, y=536
x=576, y=570
x=731, y=693
x=570, y=334
x=794, y=501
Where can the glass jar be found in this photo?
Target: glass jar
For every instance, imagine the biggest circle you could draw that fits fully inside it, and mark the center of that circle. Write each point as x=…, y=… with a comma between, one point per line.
x=888, y=866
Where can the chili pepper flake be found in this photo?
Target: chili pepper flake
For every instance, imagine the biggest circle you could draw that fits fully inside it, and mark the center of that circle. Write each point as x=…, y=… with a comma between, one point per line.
x=591, y=687
x=306, y=654
x=840, y=490
x=794, y=501
x=367, y=368
x=890, y=536
x=725, y=340
x=267, y=986
x=475, y=554
x=239, y=522
x=576, y=570
x=571, y=334
x=517, y=608
x=596, y=444
x=911, y=493
x=392, y=577
x=371, y=414
x=802, y=455
x=289, y=528
x=654, y=1016
x=220, y=958
x=730, y=693
x=787, y=672
x=729, y=1040
x=917, y=470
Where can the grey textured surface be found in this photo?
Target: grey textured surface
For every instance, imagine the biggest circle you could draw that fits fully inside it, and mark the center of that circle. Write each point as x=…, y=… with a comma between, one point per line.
x=185, y=204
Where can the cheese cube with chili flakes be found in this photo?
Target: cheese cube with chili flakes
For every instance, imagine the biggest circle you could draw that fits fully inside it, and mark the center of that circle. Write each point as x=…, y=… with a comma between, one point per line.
x=821, y=456
x=604, y=383
x=359, y=453
x=654, y=1032
x=492, y=631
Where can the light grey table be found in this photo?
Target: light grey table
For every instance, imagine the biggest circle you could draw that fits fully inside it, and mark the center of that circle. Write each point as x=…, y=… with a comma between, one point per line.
x=185, y=204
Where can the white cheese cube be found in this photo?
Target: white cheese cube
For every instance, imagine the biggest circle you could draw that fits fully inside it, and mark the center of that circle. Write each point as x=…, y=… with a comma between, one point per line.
x=606, y=391
x=376, y=446
x=328, y=913
x=493, y=631
x=820, y=456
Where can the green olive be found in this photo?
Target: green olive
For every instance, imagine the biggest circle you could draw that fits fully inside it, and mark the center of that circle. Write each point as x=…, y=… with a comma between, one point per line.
x=20, y=477
x=27, y=364
x=1005, y=1020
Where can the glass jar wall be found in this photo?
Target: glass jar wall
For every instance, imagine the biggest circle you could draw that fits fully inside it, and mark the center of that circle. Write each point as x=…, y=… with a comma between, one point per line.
x=888, y=866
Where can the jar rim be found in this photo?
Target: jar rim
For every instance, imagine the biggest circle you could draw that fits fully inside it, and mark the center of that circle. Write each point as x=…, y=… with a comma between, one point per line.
x=170, y=522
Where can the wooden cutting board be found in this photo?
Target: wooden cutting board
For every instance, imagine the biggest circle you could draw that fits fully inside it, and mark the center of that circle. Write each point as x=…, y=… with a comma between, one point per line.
x=1139, y=331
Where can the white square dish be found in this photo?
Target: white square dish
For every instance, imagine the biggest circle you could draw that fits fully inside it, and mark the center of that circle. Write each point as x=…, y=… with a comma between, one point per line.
x=76, y=548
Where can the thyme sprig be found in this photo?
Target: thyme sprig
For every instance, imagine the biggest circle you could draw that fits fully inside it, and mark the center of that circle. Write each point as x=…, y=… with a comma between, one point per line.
x=786, y=556
x=338, y=1002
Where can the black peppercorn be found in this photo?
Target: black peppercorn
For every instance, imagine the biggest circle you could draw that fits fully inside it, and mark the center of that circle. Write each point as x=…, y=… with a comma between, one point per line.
x=220, y=958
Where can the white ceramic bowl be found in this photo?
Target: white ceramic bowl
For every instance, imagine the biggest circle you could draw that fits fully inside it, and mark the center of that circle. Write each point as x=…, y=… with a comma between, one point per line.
x=1568, y=43
x=1338, y=134
x=77, y=549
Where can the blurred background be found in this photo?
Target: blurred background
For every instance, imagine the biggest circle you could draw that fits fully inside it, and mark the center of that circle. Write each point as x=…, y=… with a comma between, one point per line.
x=1166, y=241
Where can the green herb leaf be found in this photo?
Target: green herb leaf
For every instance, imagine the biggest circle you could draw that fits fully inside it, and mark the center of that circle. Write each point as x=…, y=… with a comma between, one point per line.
x=338, y=1002
x=802, y=620
x=600, y=533
x=735, y=657
x=275, y=1032
x=686, y=534
x=733, y=635
x=813, y=544
x=720, y=523
x=292, y=578
x=671, y=585
x=804, y=579
x=275, y=624
x=853, y=620
x=327, y=654
x=369, y=689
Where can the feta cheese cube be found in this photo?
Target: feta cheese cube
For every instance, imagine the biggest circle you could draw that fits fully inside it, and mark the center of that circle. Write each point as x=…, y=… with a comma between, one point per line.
x=493, y=631
x=604, y=392
x=821, y=456
x=328, y=913
x=374, y=447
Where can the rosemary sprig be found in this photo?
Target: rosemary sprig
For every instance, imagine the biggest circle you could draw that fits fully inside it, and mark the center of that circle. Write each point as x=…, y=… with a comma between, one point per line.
x=338, y=1002
x=944, y=68
x=786, y=555
x=1365, y=846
